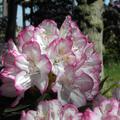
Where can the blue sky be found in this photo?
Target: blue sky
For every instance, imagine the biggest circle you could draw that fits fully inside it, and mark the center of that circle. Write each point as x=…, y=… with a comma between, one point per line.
x=19, y=13
x=19, y=16
x=107, y=2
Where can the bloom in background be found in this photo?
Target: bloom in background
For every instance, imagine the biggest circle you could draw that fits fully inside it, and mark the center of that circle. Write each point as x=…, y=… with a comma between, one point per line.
x=107, y=110
x=52, y=110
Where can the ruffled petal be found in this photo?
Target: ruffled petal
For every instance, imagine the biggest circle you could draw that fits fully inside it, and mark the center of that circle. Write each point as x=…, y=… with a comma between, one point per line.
x=66, y=29
x=64, y=46
x=89, y=50
x=90, y=115
x=54, y=110
x=39, y=39
x=22, y=63
x=49, y=31
x=49, y=110
x=79, y=40
x=26, y=34
x=84, y=82
x=69, y=112
x=9, y=74
x=32, y=50
x=51, y=49
x=58, y=48
x=44, y=65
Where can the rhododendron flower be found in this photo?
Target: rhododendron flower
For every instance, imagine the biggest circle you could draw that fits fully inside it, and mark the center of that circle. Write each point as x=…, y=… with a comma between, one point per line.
x=52, y=110
x=25, y=68
x=35, y=33
x=107, y=110
x=60, y=54
x=71, y=88
x=65, y=52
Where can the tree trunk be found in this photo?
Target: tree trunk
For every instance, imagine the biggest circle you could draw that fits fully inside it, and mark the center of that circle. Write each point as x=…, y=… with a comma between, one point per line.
x=89, y=15
x=11, y=26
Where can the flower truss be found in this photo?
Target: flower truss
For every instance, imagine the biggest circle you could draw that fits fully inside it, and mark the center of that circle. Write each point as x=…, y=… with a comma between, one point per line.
x=67, y=53
x=45, y=49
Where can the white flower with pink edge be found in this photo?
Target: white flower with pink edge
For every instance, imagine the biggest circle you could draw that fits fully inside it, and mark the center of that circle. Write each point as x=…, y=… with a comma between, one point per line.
x=52, y=110
x=24, y=69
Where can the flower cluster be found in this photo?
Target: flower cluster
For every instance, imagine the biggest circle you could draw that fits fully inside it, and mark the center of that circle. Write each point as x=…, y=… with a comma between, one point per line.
x=67, y=53
x=53, y=110
x=45, y=49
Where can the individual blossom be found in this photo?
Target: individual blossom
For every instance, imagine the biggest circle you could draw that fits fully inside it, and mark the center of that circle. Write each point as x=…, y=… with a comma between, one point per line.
x=25, y=68
x=107, y=110
x=71, y=88
x=60, y=54
x=42, y=34
x=52, y=110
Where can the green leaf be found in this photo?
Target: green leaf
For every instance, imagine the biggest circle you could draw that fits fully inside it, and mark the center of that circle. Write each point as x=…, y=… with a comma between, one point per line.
x=102, y=83
x=19, y=108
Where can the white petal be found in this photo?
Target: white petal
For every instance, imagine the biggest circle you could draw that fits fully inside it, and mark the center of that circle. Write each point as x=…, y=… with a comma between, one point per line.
x=44, y=65
x=77, y=98
x=22, y=63
x=64, y=95
x=23, y=81
x=50, y=31
x=69, y=112
x=65, y=29
x=54, y=110
x=41, y=81
x=32, y=51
